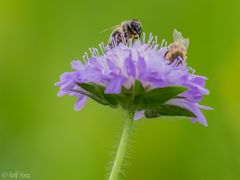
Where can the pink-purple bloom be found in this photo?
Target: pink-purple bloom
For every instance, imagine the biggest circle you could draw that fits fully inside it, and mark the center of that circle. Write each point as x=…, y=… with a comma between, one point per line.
x=119, y=67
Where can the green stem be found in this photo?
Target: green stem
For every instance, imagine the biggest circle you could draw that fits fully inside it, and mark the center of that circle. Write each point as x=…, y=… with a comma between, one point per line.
x=117, y=165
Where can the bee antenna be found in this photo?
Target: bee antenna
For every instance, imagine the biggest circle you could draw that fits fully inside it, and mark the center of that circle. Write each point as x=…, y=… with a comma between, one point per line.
x=110, y=28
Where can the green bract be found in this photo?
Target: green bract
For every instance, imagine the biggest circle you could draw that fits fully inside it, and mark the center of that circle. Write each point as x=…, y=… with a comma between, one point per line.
x=153, y=102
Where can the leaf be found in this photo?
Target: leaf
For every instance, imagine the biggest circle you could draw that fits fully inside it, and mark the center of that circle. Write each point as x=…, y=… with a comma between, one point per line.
x=138, y=88
x=95, y=98
x=124, y=100
x=167, y=110
x=151, y=101
x=111, y=98
x=96, y=92
x=160, y=95
x=138, y=91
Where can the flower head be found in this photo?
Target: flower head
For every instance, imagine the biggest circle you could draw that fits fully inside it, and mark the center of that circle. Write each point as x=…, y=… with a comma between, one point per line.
x=138, y=73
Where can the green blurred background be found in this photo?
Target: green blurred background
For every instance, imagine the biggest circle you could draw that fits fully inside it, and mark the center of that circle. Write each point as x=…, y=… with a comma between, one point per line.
x=41, y=134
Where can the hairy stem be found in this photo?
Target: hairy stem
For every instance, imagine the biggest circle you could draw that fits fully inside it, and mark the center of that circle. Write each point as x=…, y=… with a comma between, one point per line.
x=118, y=161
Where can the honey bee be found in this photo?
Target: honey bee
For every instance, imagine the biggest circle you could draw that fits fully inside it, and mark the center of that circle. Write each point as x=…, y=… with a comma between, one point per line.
x=130, y=29
x=178, y=48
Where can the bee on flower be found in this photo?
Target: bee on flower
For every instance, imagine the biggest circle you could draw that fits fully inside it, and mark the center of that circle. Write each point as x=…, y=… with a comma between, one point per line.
x=177, y=49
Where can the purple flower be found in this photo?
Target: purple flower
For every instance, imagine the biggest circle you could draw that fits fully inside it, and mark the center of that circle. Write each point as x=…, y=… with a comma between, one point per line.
x=152, y=65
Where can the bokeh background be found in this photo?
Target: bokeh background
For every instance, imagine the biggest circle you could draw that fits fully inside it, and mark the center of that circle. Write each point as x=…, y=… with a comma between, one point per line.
x=41, y=134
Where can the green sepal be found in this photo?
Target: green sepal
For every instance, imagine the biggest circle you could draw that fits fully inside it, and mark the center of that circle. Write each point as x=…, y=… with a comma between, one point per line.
x=167, y=110
x=138, y=91
x=159, y=96
x=96, y=92
x=152, y=101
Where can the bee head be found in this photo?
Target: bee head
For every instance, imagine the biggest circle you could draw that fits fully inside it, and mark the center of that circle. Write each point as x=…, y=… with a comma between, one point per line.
x=136, y=27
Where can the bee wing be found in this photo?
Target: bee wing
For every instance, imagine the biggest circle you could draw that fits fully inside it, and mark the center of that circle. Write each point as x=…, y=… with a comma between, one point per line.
x=185, y=43
x=177, y=37
x=111, y=28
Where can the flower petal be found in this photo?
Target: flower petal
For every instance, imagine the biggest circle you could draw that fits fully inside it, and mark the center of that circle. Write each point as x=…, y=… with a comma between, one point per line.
x=130, y=67
x=138, y=115
x=115, y=86
x=80, y=102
